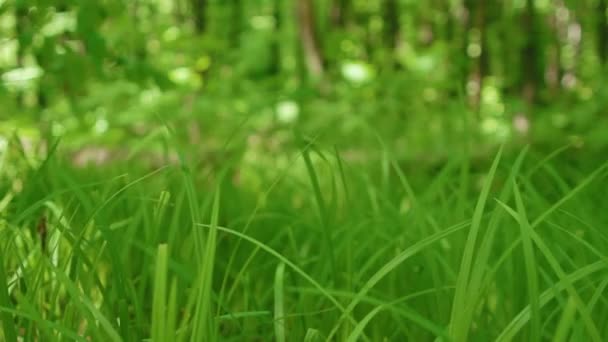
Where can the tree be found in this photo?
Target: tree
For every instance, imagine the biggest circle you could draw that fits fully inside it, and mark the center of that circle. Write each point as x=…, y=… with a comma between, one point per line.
x=199, y=12
x=602, y=30
x=339, y=12
x=391, y=23
x=310, y=46
x=530, y=54
x=476, y=49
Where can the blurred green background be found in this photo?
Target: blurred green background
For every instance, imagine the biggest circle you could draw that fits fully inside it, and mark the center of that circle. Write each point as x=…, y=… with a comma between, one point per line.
x=428, y=78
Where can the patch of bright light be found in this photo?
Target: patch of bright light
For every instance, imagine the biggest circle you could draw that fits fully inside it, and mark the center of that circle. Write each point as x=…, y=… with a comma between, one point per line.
x=543, y=5
x=181, y=75
x=489, y=125
x=472, y=87
x=171, y=34
x=425, y=63
x=287, y=111
x=490, y=95
x=521, y=123
x=149, y=96
x=59, y=23
x=8, y=49
x=101, y=126
x=474, y=50
x=496, y=128
x=3, y=144
x=357, y=72
x=203, y=63
x=262, y=22
x=22, y=77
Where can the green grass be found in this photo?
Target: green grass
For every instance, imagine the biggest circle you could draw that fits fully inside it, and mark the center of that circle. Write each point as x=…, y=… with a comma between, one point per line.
x=312, y=248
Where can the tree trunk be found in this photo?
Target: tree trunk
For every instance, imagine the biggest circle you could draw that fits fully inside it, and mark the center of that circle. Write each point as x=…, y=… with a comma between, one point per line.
x=178, y=10
x=235, y=26
x=476, y=10
x=602, y=31
x=310, y=46
x=554, y=65
x=199, y=11
x=532, y=73
x=391, y=21
x=21, y=26
x=338, y=12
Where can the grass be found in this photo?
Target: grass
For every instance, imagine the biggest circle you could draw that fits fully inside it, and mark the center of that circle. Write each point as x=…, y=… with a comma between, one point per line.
x=313, y=248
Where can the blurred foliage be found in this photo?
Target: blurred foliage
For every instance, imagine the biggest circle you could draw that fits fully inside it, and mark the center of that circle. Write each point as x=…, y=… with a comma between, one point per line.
x=427, y=76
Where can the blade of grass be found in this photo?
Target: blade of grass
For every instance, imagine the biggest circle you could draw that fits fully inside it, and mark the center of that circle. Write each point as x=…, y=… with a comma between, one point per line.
x=391, y=265
x=279, y=305
x=566, y=321
x=172, y=312
x=312, y=335
x=530, y=265
x=571, y=194
x=460, y=324
x=486, y=246
x=358, y=329
x=250, y=219
x=286, y=261
x=44, y=323
x=321, y=206
x=159, y=297
x=521, y=319
x=203, y=329
x=399, y=307
x=7, y=319
x=555, y=265
x=85, y=304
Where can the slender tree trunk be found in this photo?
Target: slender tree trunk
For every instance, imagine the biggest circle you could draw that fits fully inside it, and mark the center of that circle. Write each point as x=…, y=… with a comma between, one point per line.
x=178, y=10
x=276, y=48
x=532, y=73
x=554, y=66
x=339, y=12
x=391, y=21
x=481, y=67
x=456, y=30
x=483, y=20
x=602, y=31
x=476, y=10
x=20, y=30
x=235, y=24
x=199, y=12
x=310, y=46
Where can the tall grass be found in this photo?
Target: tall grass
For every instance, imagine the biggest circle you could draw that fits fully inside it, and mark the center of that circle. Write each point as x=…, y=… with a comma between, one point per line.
x=313, y=248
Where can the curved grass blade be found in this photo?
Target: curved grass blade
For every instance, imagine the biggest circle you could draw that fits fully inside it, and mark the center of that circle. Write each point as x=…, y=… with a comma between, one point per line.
x=392, y=264
x=554, y=263
x=530, y=265
x=286, y=261
x=521, y=319
x=358, y=329
x=5, y=317
x=460, y=324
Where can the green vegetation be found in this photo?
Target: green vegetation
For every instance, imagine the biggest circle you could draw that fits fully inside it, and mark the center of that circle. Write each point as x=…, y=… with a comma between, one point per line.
x=303, y=170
